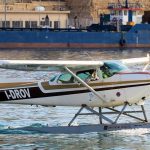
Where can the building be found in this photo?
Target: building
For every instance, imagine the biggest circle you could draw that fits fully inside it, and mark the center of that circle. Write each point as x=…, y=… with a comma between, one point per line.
x=55, y=13
x=27, y=14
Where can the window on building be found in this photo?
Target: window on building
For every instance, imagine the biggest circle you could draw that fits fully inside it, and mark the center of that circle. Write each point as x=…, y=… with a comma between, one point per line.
x=33, y=24
x=112, y=12
x=115, y=12
x=17, y=24
x=30, y=24
x=120, y=13
x=42, y=23
x=56, y=24
x=125, y=12
x=134, y=13
x=50, y=23
x=4, y=24
x=27, y=24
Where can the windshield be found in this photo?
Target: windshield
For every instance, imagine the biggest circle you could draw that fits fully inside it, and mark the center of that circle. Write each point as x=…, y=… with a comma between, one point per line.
x=84, y=75
x=52, y=77
x=111, y=68
x=65, y=78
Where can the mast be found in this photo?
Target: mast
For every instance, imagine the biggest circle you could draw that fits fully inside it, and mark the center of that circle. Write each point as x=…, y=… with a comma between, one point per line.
x=126, y=4
x=5, y=13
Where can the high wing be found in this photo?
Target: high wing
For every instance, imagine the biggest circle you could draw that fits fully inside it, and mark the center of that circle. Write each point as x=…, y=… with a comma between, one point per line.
x=55, y=65
x=47, y=65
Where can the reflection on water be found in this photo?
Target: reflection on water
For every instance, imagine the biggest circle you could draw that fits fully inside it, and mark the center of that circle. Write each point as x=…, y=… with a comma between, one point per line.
x=20, y=115
x=113, y=141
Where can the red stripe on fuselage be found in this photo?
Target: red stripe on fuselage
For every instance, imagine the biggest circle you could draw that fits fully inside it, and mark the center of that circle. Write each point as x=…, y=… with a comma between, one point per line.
x=133, y=73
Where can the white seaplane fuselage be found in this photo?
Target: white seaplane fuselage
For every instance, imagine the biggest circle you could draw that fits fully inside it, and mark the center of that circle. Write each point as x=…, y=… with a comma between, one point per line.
x=63, y=89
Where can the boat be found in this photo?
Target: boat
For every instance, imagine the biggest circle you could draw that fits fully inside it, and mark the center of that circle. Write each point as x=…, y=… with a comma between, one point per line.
x=126, y=30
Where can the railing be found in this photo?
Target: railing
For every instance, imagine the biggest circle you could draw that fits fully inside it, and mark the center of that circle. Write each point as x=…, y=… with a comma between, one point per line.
x=123, y=5
x=43, y=29
x=23, y=9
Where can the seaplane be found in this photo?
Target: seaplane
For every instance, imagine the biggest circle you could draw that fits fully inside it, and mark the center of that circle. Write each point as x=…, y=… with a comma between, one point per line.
x=91, y=85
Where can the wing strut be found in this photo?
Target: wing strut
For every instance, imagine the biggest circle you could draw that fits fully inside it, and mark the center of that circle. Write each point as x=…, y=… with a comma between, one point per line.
x=84, y=83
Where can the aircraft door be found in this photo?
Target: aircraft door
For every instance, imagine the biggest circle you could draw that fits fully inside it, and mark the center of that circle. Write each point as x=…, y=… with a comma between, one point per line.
x=112, y=82
x=134, y=92
x=112, y=89
x=95, y=81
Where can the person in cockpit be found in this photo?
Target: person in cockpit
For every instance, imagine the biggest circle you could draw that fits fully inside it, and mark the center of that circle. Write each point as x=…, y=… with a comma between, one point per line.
x=94, y=76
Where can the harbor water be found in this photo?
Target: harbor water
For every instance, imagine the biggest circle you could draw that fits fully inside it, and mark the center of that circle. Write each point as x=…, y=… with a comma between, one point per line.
x=13, y=116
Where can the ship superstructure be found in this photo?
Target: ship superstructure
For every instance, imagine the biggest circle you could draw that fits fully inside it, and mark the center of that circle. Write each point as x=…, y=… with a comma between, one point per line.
x=126, y=13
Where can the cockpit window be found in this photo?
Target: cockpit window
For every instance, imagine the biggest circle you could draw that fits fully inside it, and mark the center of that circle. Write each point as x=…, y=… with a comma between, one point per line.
x=65, y=78
x=52, y=78
x=85, y=75
x=111, y=68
